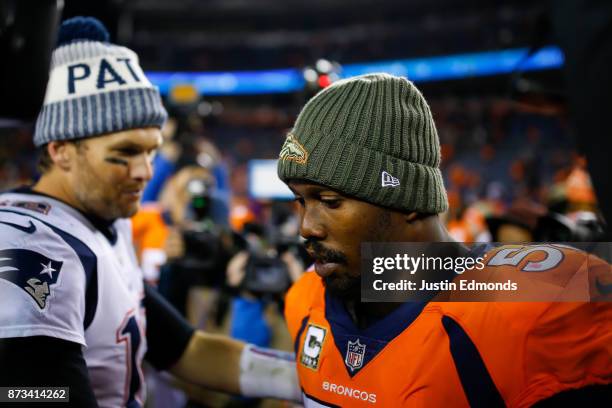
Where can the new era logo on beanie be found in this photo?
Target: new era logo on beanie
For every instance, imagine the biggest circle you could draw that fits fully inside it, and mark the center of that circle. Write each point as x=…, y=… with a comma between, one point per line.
x=94, y=87
x=371, y=137
x=388, y=180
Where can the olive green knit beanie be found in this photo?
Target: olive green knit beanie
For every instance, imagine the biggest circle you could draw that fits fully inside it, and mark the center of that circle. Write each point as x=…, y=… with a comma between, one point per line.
x=371, y=137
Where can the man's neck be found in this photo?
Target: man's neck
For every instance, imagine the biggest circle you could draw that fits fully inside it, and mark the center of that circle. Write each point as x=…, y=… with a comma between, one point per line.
x=57, y=187
x=428, y=230
x=365, y=314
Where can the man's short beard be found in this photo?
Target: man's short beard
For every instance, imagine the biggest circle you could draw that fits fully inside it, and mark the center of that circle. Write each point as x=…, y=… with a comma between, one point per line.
x=344, y=287
x=107, y=210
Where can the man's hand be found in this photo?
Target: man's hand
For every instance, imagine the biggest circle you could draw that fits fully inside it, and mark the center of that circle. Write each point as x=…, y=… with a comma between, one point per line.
x=236, y=269
x=174, y=246
x=294, y=265
x=212, y=361
x=222, y=364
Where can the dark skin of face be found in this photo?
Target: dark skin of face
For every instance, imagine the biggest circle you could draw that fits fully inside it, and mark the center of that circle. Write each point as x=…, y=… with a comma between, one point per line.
x=334, y=226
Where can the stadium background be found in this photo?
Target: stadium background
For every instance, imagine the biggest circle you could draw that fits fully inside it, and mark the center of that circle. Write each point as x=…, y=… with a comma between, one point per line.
x=495, y=146
x=508, y=148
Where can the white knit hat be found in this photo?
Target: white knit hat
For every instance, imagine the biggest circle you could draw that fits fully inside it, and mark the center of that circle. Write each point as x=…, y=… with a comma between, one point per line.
x=94, y=87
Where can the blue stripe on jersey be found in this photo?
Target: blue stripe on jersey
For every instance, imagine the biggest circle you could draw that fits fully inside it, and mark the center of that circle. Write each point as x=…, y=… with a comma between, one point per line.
x=89, y=261
x=90, y=265
x=477, y=383
x=296, y=344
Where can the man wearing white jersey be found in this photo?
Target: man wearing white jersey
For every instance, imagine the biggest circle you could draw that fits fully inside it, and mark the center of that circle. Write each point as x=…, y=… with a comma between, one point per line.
x=73, y=308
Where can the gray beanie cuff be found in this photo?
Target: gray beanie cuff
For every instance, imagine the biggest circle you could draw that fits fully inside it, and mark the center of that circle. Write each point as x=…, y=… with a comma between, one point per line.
x=98, y=114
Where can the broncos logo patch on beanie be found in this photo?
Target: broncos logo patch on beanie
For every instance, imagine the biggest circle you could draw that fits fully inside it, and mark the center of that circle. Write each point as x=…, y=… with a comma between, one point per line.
x=293, y=150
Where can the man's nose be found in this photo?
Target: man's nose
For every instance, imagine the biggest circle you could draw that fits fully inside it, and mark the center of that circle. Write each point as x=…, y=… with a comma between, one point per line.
x=311, y=225
x=142, y=168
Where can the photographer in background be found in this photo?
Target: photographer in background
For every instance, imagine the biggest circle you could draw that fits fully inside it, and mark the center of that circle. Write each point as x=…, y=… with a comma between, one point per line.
x=527, y=221
x=262, y=273
x=198, y=246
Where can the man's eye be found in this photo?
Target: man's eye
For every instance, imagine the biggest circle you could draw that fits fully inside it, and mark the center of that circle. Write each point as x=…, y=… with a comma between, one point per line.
x=299, y=200
x=128, y=151
x=331, y=202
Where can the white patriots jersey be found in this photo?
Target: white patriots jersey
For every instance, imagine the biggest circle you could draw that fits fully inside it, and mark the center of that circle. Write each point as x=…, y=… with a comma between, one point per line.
x=61, y=277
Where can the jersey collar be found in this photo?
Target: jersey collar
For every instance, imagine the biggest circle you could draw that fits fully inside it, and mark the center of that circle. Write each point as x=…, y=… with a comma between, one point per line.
x=375, y=337
x=105, y=227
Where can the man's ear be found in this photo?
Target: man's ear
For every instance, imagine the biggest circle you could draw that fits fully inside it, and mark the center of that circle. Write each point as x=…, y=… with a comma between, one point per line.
x=61, y=153
x=410, y=217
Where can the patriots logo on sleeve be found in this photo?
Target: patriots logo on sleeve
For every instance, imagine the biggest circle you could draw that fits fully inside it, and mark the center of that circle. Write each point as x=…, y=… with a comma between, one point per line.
x=31, y=271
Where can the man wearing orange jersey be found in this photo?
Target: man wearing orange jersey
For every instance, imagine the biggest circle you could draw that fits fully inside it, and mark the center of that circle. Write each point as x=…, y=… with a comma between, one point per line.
x=363, y=162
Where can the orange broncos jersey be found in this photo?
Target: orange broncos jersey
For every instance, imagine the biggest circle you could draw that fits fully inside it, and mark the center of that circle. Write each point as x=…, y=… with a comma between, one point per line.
x=149, y=232
x=479, y=354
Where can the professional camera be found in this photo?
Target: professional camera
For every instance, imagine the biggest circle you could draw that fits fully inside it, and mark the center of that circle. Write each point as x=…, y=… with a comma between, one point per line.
x=208, y=247
x=266, y=273
x=199, y=206
x=581, y=227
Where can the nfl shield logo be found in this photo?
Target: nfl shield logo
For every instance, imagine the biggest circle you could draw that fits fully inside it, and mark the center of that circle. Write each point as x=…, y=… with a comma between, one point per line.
x=354, y=355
